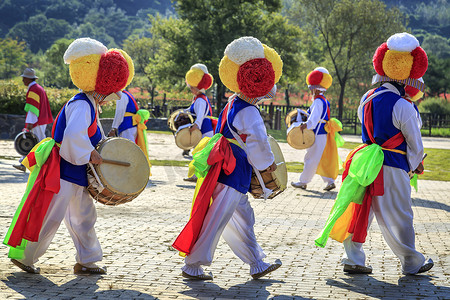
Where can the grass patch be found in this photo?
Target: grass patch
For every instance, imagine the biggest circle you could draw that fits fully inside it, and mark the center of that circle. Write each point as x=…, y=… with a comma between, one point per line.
x=160, y=132
x=173, y=163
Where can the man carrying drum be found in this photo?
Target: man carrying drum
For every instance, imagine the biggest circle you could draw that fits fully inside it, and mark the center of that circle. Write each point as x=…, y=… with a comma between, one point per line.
x=37, y=108
x=199, y=80
x=319, y=80
x=250, y=69
x=56, y=187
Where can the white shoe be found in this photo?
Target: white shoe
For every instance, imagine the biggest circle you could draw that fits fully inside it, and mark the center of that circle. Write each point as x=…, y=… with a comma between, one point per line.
x=299, y=185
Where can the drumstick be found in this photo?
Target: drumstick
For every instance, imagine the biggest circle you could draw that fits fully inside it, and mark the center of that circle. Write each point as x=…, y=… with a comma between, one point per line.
x=116, y=162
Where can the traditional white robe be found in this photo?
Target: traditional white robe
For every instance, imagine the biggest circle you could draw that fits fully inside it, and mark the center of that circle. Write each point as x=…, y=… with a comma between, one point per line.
x=230, y=214
x=393, y=210
x=72, y=203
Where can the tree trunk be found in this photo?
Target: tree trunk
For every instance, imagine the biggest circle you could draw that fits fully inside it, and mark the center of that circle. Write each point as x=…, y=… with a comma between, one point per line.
x=341, y=101
x=286, y=97
x=220, y=94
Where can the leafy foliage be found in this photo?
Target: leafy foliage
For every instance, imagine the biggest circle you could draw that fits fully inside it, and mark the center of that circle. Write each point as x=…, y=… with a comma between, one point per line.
x=350, y=31
x=12, y=57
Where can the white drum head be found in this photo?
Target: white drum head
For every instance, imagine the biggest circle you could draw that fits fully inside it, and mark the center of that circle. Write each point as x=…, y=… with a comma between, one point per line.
x=186, y=140
x=123, y=179
x=299, y=139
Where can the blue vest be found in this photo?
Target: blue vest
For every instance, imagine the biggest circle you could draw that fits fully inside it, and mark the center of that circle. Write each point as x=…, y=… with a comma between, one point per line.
x=74, y=173
x=131, y=108
x=239, y=179
x=207, y=123
x=384, y=129
x=325, y=106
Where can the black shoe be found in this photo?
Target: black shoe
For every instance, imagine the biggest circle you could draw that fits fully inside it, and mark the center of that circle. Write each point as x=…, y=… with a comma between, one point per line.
x=28, y=269
x=20, y=167
x=196, y=277
x=270, y=269
x=357, y=269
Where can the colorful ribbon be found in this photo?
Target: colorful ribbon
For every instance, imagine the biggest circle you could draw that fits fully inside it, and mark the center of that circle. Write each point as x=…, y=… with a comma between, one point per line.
x=43, y=182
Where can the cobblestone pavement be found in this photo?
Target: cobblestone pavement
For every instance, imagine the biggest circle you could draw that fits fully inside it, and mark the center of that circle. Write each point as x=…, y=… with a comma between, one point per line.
x=136, y=239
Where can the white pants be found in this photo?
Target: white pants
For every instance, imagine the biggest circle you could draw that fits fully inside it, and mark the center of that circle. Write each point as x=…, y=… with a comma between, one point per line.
x=395, y=219
x=231, y=216
x=75, y=206
x=39, y=131
x=129, y=134
x=312, y=159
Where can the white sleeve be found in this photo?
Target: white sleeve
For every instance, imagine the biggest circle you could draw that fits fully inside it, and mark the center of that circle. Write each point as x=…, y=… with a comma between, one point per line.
x=315, y=115
x=404, y=118
x=31, y=118
x=76, y=147
x=360, y=108
x=248, y=121
x=200, y=111
x=121, y=107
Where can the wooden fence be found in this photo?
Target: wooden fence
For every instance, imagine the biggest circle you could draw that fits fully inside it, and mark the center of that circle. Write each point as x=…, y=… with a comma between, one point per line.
x=274, y=116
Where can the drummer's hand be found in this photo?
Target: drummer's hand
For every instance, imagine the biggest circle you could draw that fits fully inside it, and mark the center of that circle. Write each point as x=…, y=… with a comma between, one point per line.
x=272, y=168
x=95, y=158
x=28, y=126
x=112, y=132
x=303, y=126
x=193, y=127
x=419, y=169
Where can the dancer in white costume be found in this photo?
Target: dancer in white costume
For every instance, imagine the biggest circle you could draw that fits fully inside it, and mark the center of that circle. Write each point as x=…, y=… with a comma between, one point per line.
x=389, y=117
x=230, y=214
x=78, y=131
x=198, y=81
x=122, y=125
x=319, y=80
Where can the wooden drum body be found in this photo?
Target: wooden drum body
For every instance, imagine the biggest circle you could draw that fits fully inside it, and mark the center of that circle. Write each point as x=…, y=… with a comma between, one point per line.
x=113, y=184
x=276, y=181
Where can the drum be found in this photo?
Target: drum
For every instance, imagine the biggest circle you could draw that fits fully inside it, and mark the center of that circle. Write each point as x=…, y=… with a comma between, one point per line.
x=300, y=139
x=179, y=118
x=276, y=181
x=185, y=139
x=122, y=176
x=291, y=117
x=24, y=142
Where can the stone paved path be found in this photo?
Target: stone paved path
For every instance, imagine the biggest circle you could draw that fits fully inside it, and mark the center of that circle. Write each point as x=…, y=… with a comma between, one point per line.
x=136, y=239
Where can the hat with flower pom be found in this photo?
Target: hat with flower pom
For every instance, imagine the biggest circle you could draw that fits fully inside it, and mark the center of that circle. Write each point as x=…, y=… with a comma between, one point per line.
x=199, y=77
x=400, y=59
x=319, y=79
x=94, y=68
x=250, y=69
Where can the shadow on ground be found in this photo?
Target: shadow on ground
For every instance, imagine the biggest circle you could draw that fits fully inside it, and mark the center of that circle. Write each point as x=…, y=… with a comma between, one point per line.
x=415, y=286
x=210, y=290
x=33, y=285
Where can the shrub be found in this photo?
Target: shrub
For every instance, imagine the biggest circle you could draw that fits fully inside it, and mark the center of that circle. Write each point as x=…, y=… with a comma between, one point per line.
x=435, y=106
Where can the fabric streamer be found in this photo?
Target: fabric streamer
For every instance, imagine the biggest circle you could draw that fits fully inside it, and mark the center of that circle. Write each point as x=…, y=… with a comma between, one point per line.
x=139, y=120
x=220, y=158
x=330, y=161
x=364, y=169
x=43, y=182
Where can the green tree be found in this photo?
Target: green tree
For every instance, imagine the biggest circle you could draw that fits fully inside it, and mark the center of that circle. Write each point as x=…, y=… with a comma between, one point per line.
x=39, y=32
x=141, y=50
x=56, y=71
x=350, y=31
x=12, y=57
x=206, y=27
x=437, y=77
